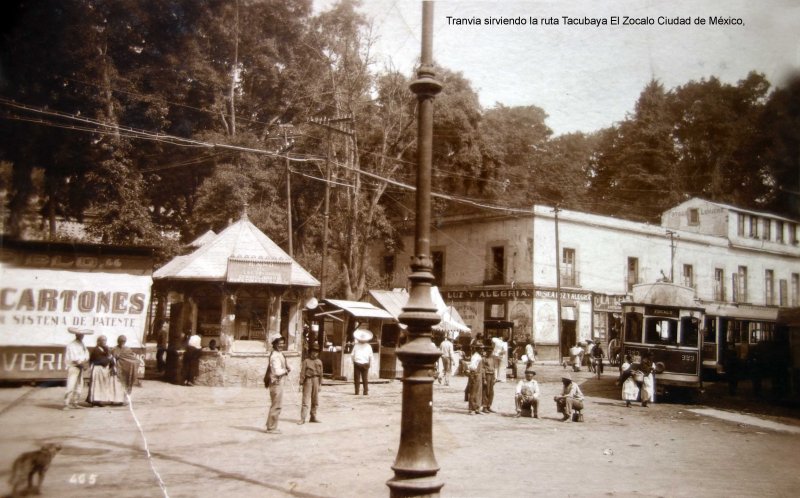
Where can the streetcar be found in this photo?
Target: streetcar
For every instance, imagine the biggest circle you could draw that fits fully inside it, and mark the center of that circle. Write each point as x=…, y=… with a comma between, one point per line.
x=730, y=329
x=664, y=319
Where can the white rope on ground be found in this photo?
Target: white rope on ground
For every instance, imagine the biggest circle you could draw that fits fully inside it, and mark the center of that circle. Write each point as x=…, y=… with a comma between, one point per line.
x=146, y=448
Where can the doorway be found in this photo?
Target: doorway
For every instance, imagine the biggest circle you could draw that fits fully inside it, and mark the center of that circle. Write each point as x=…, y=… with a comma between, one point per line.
x=569, y=336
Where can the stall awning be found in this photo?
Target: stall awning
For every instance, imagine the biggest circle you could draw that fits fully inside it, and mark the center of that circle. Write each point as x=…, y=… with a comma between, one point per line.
x=360, y=309
x=394, y=300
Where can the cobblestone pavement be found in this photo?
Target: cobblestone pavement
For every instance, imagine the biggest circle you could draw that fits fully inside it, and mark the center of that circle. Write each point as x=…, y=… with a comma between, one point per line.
x=205, y=441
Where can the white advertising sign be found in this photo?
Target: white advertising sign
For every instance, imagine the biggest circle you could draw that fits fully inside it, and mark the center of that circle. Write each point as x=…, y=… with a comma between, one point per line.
x=38, y=305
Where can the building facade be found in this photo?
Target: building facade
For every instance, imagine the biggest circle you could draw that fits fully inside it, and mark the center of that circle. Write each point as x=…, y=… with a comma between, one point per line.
x=560, y=276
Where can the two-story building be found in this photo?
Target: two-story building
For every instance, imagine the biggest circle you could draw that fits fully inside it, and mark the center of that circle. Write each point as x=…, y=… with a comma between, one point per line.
x=560, y=275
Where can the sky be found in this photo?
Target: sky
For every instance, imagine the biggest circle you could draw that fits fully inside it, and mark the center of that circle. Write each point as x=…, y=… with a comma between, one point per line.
x=588, y=77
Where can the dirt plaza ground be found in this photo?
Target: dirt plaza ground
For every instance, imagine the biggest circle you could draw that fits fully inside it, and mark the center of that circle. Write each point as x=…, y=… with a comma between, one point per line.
x=202, y=441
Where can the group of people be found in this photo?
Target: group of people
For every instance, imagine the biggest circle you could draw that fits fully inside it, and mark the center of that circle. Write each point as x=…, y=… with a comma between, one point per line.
x=637, y=380
x=112, y=372
x=311, y=371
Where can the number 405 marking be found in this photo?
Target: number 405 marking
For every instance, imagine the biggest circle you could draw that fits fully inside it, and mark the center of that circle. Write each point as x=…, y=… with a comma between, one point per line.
x=89, y=479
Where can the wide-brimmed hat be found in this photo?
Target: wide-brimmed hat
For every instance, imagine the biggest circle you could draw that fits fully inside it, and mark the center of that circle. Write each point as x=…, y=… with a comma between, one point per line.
x=313, y=347
x=362, y=335
x=530, y=371
x=76, y=330
x=566, y=377
x=275, y=338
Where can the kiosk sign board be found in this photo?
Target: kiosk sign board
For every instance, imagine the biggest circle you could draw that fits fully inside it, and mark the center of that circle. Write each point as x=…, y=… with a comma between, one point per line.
x=47, y=287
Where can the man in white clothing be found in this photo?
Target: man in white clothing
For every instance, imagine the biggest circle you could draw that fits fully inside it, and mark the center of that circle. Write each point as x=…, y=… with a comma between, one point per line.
x=362, y=358
x=76, y=357
x=448, y=354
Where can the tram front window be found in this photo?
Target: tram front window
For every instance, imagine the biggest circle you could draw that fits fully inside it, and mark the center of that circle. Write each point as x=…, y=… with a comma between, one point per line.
x=661, y=331
x=633, y=327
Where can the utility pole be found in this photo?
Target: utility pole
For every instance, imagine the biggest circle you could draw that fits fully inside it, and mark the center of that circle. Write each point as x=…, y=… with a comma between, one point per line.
x=672, y=245
x=331, y=125
x=286, y=147
x=558, y=283
x=415, y=466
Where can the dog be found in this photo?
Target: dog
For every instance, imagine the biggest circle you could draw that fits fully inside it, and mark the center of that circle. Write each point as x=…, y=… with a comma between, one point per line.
x=30, y=463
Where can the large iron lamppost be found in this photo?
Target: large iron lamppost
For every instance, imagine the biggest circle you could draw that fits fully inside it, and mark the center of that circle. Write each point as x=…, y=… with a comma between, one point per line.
x=415, y=466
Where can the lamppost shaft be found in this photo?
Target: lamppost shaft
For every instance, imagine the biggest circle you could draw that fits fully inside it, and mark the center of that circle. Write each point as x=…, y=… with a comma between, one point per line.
x=415, y=466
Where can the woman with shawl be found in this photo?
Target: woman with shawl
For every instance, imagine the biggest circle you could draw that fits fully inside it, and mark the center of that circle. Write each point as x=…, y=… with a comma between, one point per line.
x=103, y=387
x=127, y=364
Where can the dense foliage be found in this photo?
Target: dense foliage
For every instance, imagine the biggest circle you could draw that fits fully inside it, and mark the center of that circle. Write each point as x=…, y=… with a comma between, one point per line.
x=145, y=119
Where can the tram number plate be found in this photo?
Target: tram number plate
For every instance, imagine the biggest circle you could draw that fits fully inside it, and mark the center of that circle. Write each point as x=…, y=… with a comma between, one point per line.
x=688, y=357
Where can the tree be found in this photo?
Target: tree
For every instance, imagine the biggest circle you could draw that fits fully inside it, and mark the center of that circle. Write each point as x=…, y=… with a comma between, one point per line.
x=633, y=172
x=779, y=148
x=716, y=129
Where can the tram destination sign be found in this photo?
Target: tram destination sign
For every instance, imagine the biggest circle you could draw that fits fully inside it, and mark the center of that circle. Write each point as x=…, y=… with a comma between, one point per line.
x=662, y=312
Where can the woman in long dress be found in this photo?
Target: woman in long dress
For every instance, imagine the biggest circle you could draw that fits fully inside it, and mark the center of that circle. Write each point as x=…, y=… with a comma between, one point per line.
x=630, y=390
x=104, y=387
x=127, y=364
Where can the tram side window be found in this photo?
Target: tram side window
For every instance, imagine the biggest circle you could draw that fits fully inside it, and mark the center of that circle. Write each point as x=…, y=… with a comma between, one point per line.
x=661, y=331
x=689, y=326
x=710, y=331
x=633, y=327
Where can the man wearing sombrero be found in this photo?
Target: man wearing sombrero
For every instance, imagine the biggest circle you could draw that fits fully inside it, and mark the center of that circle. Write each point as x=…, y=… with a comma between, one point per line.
x=362, y=357
x=76, y=357
x=571, y=398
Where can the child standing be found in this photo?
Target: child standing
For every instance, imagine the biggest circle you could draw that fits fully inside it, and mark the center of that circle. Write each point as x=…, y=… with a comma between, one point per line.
x=311, y=380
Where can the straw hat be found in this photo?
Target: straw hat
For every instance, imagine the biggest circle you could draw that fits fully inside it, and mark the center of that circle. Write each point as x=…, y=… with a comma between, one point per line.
x=76, y=330
x=530, y=371
x=566, y=377
x=362, y=335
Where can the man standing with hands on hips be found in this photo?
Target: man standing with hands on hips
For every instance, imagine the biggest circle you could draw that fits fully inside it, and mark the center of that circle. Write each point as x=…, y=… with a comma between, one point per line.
x=362, y=358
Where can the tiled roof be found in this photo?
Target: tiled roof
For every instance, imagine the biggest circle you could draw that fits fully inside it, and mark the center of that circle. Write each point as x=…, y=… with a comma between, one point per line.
x=242, y=247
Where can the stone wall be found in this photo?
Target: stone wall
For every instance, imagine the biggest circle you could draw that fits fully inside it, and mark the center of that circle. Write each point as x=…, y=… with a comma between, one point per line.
x=239, y=369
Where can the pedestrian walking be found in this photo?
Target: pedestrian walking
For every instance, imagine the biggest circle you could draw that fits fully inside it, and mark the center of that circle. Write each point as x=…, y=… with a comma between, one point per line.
x=76, y=357
x=362, y=358
x=448, y=354
x=311, y=381
x=277, y=370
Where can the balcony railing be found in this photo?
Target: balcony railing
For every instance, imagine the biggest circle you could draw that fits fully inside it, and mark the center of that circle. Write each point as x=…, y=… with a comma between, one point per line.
x=570, y=279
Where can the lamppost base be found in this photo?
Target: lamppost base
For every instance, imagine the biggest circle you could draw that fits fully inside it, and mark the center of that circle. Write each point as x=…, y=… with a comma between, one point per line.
x=420, y=487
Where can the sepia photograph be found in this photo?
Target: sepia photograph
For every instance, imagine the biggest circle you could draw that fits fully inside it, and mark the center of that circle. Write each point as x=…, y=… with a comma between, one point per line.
x=362, y=248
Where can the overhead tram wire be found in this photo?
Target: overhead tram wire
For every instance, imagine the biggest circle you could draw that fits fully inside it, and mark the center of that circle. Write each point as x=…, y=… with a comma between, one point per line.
x=129, y=132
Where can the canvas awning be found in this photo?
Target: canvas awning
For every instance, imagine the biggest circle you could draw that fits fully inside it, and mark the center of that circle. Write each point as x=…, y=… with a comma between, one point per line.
x=394, y=300
x=360, y=309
